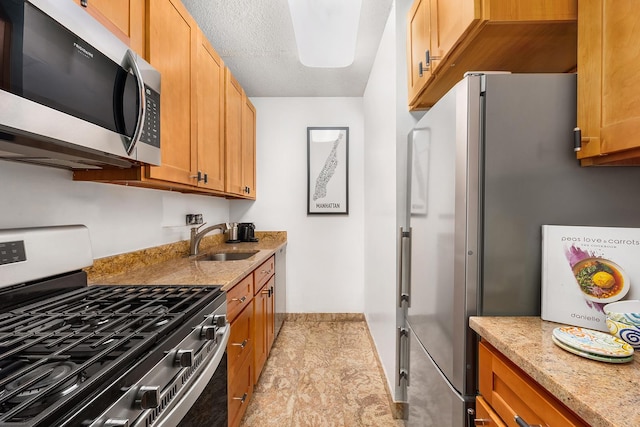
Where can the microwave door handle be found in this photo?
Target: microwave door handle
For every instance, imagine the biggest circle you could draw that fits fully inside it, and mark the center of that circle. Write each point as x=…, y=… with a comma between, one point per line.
x=130, y=62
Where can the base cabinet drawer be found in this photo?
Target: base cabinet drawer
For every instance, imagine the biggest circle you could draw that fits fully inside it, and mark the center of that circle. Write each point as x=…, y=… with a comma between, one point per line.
x=264, y=272
x=509, y=392
x=239, y=297
x=240, y=340
x=240, y=391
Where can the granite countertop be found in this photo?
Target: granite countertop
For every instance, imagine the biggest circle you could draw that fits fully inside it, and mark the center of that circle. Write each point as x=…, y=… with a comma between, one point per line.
x=602, y=394
x=170, y=264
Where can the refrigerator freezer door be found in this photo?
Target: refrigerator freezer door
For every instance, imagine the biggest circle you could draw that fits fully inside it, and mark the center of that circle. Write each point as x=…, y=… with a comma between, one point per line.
x=432, y=401
x=437, y=289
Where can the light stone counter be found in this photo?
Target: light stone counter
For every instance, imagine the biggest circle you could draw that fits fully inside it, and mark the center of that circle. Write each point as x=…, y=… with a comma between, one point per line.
x=602, y=394
x=170, y=264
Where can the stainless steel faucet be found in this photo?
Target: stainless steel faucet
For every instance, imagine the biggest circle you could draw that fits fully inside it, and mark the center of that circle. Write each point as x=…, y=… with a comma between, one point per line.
x=196, y=236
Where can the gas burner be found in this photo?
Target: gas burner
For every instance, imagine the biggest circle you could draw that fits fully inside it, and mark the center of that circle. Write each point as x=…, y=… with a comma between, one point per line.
x=56, y=372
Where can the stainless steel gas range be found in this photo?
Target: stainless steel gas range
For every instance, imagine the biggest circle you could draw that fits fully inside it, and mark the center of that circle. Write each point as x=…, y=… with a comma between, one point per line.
x=78, y=355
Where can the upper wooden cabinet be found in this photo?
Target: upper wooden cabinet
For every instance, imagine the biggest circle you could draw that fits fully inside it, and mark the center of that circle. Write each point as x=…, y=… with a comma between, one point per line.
x=124, y=18
x=194, y=117
x=418, y=43
x=483, y=35
x=608, y=88
x=249, y=148
x=173, y=41
x=210, y=112
x=240, y=116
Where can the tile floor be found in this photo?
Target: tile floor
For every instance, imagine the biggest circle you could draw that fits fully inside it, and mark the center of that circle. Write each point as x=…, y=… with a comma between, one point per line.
x=321, y=374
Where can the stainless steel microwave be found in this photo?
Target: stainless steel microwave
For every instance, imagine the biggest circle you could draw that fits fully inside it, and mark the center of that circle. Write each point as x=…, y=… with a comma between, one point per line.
x=72, y=94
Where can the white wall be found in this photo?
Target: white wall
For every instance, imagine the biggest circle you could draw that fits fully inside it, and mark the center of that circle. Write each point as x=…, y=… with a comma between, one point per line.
x=120, y=219
x=324, y=252
x=380, y=201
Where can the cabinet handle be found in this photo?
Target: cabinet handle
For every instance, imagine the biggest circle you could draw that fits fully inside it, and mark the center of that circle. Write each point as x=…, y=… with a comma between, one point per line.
x=481, y=422
x=577, y=139
x=267, y=291
x=420, y=69
x=242, y=344
x=240, y=300
x=428, y=58
x=206, y=178
x=84, y=3
x=199, y=177
x=523, y=423
x=241, y=399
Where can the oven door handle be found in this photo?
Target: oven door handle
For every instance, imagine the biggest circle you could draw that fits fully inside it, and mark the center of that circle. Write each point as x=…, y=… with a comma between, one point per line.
x=186, y=401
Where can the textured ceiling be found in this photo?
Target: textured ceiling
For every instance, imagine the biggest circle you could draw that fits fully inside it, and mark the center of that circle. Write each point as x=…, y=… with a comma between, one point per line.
x=255, y=40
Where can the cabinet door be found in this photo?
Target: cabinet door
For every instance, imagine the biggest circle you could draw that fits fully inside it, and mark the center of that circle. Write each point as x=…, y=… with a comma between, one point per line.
x=270, y=316
x=248, y=149
x=260, y=311
x=124, y=18
x=240, y=389
x=172, y=49
x=608, y=87
x=233, y=105
x=418, y=42
x=511, y=392
x=210, y=110
x=450, y=20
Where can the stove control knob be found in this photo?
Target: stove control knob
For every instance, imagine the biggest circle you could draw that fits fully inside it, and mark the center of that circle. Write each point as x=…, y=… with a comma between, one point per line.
x=220, y=320
x=184, y=358
x=112, y=422
x=148, y=397
x=208, y=332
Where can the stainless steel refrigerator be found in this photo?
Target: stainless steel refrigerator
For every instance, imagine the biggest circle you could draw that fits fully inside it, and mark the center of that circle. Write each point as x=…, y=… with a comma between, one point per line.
x=488, y=165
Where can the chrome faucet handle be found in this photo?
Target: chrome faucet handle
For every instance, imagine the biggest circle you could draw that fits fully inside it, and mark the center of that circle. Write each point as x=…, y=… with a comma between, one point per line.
x=198, y=227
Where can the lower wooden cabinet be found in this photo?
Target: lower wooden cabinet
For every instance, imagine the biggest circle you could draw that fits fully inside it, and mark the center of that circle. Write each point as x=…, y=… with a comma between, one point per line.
x=251, y=316
x=506, y=392
x=240, y=389
x=263, y=309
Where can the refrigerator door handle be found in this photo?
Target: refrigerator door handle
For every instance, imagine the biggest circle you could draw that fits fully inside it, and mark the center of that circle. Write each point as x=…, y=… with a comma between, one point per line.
x=403, y=356
x=404, y=272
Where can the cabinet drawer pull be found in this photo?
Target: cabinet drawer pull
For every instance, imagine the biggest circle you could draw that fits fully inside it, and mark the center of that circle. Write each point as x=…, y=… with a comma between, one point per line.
x=241, y=399
x=481, y=422
x=242, y=344
x=523, y=423
x=241, y=300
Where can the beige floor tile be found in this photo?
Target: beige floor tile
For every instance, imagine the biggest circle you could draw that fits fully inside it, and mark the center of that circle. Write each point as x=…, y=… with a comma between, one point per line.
x=321, y=374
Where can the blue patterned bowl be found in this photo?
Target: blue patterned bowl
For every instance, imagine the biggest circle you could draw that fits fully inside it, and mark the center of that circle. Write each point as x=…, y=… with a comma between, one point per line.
x=627, y=333
x=623, y=321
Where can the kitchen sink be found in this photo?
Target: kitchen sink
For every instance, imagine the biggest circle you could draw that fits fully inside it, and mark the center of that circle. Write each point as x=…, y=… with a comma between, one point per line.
x=225, y=256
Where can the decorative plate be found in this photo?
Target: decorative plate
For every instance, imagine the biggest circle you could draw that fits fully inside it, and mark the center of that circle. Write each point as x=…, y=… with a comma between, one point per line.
x=593, y=342
x=590, y=355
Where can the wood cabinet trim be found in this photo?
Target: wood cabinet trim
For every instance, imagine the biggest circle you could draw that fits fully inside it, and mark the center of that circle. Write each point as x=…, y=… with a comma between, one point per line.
x=510, y=392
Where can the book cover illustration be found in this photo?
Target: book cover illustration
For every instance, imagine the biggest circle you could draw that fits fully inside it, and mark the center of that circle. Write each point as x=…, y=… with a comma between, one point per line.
x=585, y=268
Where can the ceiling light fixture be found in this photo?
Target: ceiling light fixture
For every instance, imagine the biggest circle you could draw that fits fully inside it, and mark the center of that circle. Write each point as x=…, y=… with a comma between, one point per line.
x=326, y=31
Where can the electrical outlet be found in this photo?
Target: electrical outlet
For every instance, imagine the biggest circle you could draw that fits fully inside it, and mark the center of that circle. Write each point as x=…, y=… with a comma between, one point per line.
x=194, y=219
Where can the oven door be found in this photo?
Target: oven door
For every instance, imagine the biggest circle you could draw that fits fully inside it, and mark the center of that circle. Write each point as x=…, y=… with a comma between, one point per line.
x=205, y=402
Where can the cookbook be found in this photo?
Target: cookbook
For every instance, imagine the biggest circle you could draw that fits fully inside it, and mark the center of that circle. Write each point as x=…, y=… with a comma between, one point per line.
x=585, y=268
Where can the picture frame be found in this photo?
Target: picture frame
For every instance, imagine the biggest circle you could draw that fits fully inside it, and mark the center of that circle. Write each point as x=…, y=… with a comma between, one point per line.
x=328, y=170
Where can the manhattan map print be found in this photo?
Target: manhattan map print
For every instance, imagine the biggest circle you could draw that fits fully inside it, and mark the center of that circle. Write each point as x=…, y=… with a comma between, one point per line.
x=327, y=171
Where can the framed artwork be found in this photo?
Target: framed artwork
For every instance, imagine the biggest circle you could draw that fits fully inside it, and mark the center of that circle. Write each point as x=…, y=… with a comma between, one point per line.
x=327, y=170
